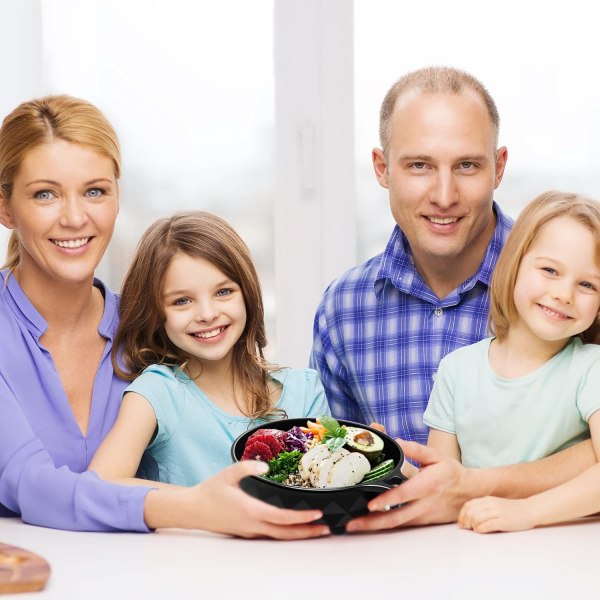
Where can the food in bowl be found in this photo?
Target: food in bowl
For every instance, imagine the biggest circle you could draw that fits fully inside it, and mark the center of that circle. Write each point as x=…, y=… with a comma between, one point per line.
x=323, y=454
x=338, y=504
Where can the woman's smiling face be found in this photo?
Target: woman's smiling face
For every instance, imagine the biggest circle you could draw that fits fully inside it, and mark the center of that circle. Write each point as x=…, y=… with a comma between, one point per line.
x=63, y=205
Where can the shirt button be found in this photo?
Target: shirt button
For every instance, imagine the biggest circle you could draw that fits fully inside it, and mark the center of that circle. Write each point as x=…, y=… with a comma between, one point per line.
x=438, y=312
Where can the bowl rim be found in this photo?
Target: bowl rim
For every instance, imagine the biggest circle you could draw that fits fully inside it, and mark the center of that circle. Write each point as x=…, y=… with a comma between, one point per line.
x=375, y=484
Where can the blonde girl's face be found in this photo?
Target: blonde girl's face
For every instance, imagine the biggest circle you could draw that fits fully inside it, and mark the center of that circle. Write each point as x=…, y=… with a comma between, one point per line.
x=64, y=204
x=205, y=311
x=557, y=290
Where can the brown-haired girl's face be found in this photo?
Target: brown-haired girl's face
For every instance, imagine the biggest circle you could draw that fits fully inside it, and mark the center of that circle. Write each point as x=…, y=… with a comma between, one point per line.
x=204, y=310
x=64, y=203
x=557, y=290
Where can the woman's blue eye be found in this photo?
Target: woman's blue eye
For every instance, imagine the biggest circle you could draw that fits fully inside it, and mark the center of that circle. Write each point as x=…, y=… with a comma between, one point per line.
x=224, y=292
x=95, y=193
x=180, y=301
x=44, y=195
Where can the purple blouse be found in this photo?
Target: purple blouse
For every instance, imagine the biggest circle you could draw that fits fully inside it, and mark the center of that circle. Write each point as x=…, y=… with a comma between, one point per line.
x=43, y=454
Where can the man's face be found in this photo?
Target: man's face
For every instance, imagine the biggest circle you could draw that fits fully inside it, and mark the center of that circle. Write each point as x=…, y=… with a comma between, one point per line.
x=441, y=171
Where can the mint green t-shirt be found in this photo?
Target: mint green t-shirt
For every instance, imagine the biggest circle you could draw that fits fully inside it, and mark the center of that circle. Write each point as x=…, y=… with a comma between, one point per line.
x=501, y=421
x=194, y=436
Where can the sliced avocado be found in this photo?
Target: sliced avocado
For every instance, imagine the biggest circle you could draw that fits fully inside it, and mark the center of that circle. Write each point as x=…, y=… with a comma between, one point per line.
x=365, y=442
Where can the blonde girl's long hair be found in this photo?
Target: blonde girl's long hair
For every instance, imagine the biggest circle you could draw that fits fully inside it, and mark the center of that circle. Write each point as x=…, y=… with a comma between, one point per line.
x=141, y=339
x=541, y=210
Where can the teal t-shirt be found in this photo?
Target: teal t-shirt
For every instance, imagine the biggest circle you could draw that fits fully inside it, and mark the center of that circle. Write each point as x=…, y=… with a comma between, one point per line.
x=501, y=421
x=194, y=436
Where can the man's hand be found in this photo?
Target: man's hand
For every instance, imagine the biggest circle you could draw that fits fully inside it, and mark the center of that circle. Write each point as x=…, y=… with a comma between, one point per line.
x=377, y=426
x=434, y=495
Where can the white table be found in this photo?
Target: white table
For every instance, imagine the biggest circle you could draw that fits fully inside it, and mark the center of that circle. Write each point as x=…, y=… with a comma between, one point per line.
x=422, y=563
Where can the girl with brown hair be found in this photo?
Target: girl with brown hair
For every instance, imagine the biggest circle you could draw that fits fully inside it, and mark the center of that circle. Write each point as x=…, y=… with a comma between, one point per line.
x=59, y=394
x=192, y=336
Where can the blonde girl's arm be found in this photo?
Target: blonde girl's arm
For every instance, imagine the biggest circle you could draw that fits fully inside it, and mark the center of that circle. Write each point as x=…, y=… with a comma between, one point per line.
x=575, y=498
x=118, y=457
x=446, y=443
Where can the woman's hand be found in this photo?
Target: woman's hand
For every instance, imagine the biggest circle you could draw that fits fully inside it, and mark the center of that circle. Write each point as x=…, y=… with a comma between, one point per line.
x=219, y=505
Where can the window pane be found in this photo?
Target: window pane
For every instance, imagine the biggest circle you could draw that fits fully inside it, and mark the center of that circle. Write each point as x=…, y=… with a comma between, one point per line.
x=189, y=88
x=536, y=58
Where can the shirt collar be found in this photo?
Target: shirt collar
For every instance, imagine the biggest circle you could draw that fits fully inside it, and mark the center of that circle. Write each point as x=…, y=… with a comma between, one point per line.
x=26, y=312
x=21, y=306
x=503, y=226
x=397, y=265
x=110, y=318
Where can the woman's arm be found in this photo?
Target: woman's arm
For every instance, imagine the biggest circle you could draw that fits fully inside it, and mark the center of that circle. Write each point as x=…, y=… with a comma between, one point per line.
x=43, y=494
x=119, y=455
x=218, y=504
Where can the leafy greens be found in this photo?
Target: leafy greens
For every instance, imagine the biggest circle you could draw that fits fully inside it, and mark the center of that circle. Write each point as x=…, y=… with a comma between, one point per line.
x=283, y=465
x=335, y=436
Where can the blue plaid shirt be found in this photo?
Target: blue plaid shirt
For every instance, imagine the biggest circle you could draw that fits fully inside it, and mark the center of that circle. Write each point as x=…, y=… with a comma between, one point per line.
x=380, y=333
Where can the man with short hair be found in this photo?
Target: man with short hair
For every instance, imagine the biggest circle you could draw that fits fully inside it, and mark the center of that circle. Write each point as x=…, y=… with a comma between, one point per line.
x=383, y=327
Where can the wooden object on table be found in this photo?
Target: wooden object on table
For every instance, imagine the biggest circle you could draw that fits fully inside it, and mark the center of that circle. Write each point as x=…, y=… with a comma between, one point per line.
x=21, y=570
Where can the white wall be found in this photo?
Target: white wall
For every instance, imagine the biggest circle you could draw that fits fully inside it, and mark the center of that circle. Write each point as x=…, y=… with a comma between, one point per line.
x=20, y=63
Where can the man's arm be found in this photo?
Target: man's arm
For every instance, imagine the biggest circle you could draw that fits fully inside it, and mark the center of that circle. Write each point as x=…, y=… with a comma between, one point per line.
x=577, y=497
x=437, y=493
x=525, y=479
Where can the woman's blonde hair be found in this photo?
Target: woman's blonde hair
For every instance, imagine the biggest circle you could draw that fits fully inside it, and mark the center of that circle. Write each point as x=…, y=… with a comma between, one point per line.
x=40, y=121
x=544, y=208
x=141, y=339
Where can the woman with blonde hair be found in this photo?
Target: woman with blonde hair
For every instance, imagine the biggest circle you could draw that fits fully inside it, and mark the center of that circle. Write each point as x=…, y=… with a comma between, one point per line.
x=59, y=395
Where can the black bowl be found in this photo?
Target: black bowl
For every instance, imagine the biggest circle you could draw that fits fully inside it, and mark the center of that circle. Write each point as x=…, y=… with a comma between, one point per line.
x=338, y=505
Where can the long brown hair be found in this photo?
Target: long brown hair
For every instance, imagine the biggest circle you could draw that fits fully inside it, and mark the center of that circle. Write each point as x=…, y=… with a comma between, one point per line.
x=40, y=121
x=141, y=339
x=544, y=208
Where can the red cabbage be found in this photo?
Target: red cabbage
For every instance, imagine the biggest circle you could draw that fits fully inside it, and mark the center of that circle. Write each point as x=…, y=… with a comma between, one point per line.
x=297, y=439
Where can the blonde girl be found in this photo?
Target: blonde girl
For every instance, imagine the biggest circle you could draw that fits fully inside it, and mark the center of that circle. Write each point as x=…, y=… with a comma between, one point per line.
x=532, y=389
x=192, y=336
